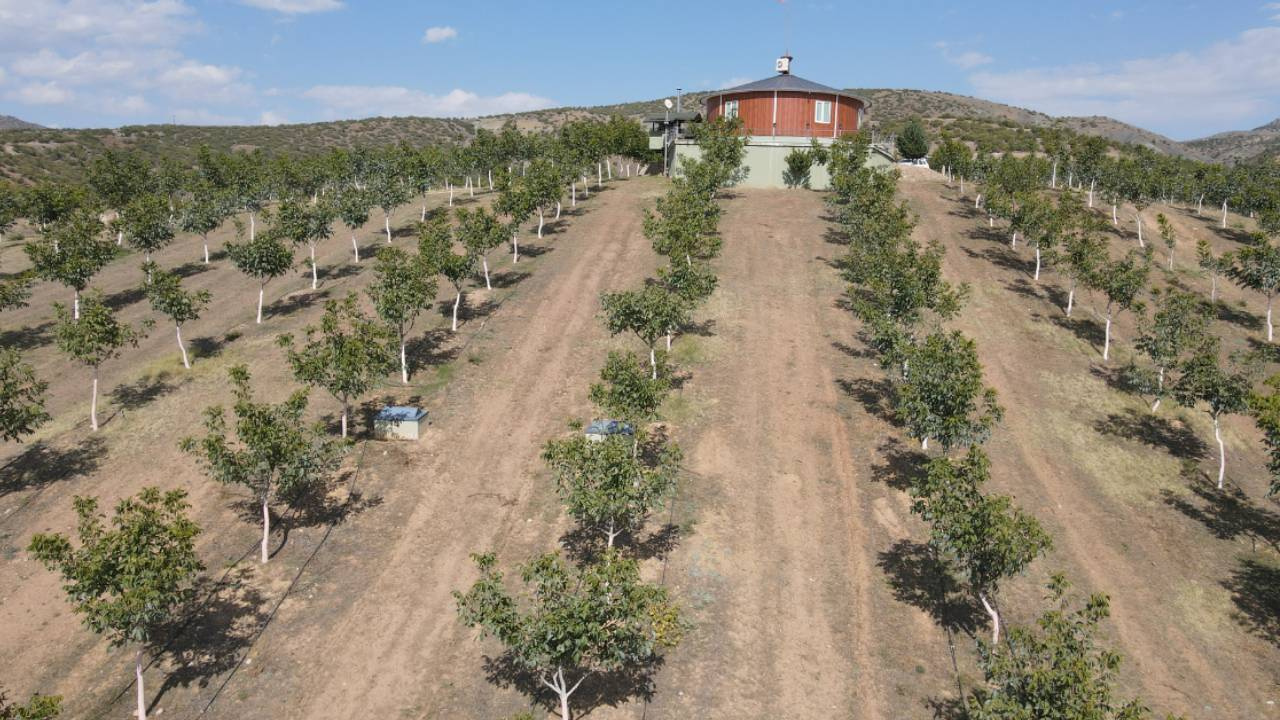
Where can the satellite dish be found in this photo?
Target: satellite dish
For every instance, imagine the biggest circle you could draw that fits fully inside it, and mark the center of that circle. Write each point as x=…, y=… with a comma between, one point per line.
x=668, y=103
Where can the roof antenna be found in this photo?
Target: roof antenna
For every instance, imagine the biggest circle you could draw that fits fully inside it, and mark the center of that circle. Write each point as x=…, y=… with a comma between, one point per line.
x=783, y=65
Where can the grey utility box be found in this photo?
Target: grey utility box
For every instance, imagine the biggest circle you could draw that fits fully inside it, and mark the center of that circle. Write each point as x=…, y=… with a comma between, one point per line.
x=399, y=422
x=598, y=430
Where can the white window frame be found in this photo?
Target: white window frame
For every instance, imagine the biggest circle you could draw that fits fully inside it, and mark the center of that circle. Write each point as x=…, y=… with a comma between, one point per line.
x=817, y=116
x=730, y=109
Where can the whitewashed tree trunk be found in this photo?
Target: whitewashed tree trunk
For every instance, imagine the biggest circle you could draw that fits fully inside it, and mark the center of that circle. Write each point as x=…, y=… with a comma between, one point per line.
x=75, y=304
x=1159, y=389
x=206, y=249
x=253, y=228
x=1106, y=342
x=1222, y=452
x=1037, y=277
x=93, y=402
x=1053, y=179
x=262, y=289
x=404, y=363
x=355, y=247
x=266, y=527
x=1115, y=219
x=1269, y=327
x=1200, y=205
x=977, y=201
x=608, y=166
x=1224, y=214
x=541, y=222
x=423, y=217
x=185, y=362
x=456, y=301
x=557, y=210
x=1138, y=217
x=1071, y=297
x=1013, y=240
x=471, y=187
x=142, y=693
x=599, y=176
x=1213, y=291
x=490, y=180
x=386, y=221
x=924, y=443
x=1092, y=183
x=315, y=278
x=586, y=189
x=653, y=363
x=450, y=194
x=515, y=247
x=344, y=421
x=573, y=194
x=995, y=618
x=484, y=261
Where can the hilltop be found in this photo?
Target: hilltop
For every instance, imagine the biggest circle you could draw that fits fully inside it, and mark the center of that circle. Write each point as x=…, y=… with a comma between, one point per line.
x=29, y=152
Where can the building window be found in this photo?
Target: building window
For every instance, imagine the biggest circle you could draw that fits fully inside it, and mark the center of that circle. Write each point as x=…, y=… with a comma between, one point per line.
x=822, y=111
x=730, y=109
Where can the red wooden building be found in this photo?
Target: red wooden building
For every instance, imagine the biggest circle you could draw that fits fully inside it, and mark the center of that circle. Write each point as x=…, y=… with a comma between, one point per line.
x=789, y=106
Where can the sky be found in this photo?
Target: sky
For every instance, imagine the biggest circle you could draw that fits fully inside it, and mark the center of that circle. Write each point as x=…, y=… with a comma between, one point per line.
x=1185, y=69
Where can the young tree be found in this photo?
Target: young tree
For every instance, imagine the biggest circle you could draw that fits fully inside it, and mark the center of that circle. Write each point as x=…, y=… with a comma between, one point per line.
x=515, y=200
x=403, y=287
x=128, y=578
x=1167, y=234
x=347, y=354
x=986, y=537
x=435, y=247
x=1179, y=324
x=626, y=391
x=93, y=339
x=1121, y=281
x=1083, y=254
x=264, y=258
x=306, y=224
x=180, y=306
x=388, y=193
x=146, y=225
x=1054, y=670
x=1265, y=410
x=913, y=142
x=573, y=622
x=353, y=210
x=480, y=231
x=683, y=225
x=943, y=397
x=71, y=253
x=203, y=213
x=648, y=313
x=273, y=453
x=39, y=707
x=606, y=485
x=1203, y=380
x=21, y=397
x=1257, y=267
x=1215, y=266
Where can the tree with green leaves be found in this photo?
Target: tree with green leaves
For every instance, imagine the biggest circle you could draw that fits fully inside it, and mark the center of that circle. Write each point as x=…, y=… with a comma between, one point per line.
x=648, y=313
x=347, y=354
x=1265, y=409
x=435, y=247
x=1054, y=670
x=606, y=485
x=1256, y=267
x=21, y=397
x=1179, y=324
x=71, y=253
x=1222, y=391
x=683, y=225
x=181, y=306
x=117, y=178
x=39, y=707
x=571, y=623
x=93, y=339
x=203, y=212
x=403, y=286
x=799, y=168
x=913, y=141
x=388, y=193
x=303, y=223
x=353, y=210
x=516, y=200
x=626, y=391
x=985, y=537
x=263, y=258
x=49, y=203
x=273, y=452
x=10, y=207
x=146, y=225
x=1215, y=266
x=480, y=231
x=691, y=284
x=128, y=578
x=943, y=396
x=1121, y=281
x=1167, y=234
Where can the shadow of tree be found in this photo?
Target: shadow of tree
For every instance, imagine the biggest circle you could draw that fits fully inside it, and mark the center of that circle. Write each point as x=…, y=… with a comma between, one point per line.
x=1025, y=288
x=294, y=302
x=918, y=577
x=853, y=352
x=1001, y=256
x=1237, y=316
x=27, y=338
x=208, y=641
x=1086, y=329
x=873, y=395
x=1228, y=513
x=312, y=507
x=124, y=298
x=609, y=689
x=534, y=251
x=586, y=545
x=509, y=278
x=338, y=272
x=194, y=267
x=207, y=347
x=131, y=396
x=433, y=347
x=41, y=464
x=947, y=708
x=1149, y=429
x=1255, y=589
x=901, y=466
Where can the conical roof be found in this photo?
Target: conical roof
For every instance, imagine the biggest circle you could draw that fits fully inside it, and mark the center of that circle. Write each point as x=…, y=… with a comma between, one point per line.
x=793, y=83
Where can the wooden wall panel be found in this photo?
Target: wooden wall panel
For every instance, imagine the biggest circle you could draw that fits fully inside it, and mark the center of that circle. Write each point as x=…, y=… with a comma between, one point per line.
x=795, y=113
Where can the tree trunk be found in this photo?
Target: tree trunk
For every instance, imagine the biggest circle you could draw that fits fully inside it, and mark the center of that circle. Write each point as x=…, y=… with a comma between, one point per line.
x=423, y=218
x=1224, y=214
x=1138, y=217
x=1071, y=297
x=599, y=177
x=1091, y=185
x=266, y=527
x=541, y=222
x=471, y=187
x=1213, y=291
x=1037, y=277
x=93, y=402
x=609, y=167
x=924, y=443
x=386, y=221
x=490, y=180
x=586, y=189
x=1269, y=328
x=995, y=618
x=456, y=301
x=206, y=249
x=1115, y=219
x=315, y=281
x=1200, y=205
x=573, y=194
x=515, y=247
x=1013, y=240
x=253, y=228
x=185, y=363
x=355, y=247
x=1222, y=452
x=344, y=421
x=485, y=262
x=404, y=363
x=1106, y=342
x=977, y=201
x=75, y=304
x=1053, y=179
x=262, y=288
x=611, y=533
x=1159, y=389
x=142, y=693
x=653, y=363
x=557, y=210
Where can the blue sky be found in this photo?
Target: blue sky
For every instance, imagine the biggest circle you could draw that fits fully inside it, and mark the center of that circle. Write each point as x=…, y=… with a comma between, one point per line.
x=1184, y=69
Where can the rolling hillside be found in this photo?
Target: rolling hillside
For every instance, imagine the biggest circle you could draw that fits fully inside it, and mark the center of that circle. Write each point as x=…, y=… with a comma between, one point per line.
x=9, y=122
x=1241, y=144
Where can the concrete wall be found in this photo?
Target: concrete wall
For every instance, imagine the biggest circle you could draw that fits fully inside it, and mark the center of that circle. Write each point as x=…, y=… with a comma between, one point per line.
x=767, y=159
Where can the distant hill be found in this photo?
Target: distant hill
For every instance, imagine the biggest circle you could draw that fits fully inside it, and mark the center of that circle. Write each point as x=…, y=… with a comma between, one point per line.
x=1241, y=144
x=9, y=122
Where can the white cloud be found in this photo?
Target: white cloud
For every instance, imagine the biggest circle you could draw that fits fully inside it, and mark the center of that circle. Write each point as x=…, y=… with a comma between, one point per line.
x=439, y=34
x=295, y=7
x=2, y=76
x=1224, y=84
x=272, y=118
x=387, y=100
x=42, y=94
x=131, y=105
x=966, y=59
x=1273, y=7
x=733, y=82
x=27, y=25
